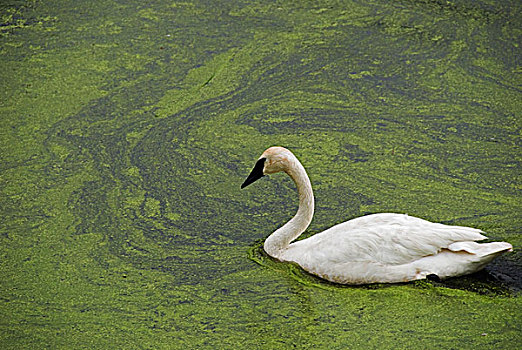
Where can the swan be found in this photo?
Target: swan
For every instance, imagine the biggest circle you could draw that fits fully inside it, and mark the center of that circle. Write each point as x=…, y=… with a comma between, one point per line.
x=376, y=248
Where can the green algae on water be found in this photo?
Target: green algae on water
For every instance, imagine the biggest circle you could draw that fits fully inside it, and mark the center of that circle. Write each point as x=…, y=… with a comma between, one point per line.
x=129, y=126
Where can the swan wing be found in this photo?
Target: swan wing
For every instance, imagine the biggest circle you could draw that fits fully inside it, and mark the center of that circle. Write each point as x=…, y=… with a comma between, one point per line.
x=387, y=239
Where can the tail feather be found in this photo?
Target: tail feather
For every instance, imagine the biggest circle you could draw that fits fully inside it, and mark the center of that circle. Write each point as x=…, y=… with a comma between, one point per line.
x=481, y=249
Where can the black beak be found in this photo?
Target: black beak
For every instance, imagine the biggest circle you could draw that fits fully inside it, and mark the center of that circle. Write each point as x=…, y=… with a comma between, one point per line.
x=256, y=173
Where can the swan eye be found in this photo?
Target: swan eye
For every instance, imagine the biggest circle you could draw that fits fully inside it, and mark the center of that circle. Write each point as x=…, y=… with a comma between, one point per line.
x=256, y=173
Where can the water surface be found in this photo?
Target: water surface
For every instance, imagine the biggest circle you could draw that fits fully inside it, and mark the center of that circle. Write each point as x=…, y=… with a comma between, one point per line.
x=128, y=127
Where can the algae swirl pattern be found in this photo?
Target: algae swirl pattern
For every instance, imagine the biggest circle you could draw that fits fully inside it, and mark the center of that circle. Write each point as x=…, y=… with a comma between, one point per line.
x=128, y=127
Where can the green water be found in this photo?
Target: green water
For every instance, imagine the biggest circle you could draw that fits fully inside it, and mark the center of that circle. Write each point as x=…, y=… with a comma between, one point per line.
x=128, y=126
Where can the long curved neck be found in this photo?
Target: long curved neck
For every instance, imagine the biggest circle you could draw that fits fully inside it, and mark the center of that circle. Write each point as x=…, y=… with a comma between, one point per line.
x=282, y=237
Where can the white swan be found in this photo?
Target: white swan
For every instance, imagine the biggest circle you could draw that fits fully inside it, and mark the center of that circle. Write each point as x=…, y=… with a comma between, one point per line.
x=377, y=248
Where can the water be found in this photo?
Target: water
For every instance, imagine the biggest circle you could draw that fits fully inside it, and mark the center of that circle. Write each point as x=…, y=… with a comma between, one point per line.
x=129, y=126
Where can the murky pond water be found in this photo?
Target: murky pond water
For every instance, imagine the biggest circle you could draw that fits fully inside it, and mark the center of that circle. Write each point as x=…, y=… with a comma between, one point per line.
x=128, y=127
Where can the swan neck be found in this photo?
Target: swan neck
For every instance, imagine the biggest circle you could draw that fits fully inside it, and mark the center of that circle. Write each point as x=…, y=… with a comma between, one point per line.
x=279, y=241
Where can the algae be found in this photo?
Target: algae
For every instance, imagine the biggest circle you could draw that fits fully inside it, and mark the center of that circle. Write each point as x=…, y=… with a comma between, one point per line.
x=129, y=126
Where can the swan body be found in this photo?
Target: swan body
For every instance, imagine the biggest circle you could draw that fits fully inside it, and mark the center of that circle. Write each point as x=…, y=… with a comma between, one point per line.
x=377, y=248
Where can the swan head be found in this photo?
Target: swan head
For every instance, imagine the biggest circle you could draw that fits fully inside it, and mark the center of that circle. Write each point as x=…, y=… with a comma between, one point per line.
x=273, y=160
